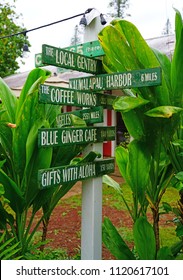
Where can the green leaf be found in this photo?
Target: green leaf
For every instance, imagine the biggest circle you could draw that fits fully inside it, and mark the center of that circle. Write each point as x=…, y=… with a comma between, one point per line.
x=35, y=77
x=31, y=141
x=165, y=253
x=139, y=167
x=144, y=239
x=179, y=176
x=167, y=207
x=134, y=123
x=12, y=193
x=123, y=45
x=163, y=112
x=179, y=143
x=2, y=162
x=122, y=158
x=114, y=242
x=179, y=230
x=111, y=183
x=127, y=103
x=77, y=121
x=9, y=101
x=177, y=63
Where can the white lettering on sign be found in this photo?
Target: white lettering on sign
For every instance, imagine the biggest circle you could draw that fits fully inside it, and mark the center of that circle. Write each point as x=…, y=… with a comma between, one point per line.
x=86, y=99
x=49, y=51
x=87, y=64
x=63, y=119
x=78, y=135
x=44, y=89
x=49, y=138
x=96, y=83
x=50, y=178
x=148, y=77
x=119, y=80
x=65, y=58
x=86, y=116
x=73, y=136
x=78, y=172
x=91, y=135
x=95, y=115
x=62, y=96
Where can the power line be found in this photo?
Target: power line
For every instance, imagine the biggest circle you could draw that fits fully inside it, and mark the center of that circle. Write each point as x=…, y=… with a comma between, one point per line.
x=43, y=26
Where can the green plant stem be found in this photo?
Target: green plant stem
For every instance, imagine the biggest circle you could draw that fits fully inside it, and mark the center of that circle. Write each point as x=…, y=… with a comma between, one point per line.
x=128, y=208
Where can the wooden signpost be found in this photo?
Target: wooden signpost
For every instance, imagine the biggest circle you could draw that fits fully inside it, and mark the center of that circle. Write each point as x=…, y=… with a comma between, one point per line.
x=72, y=97
x=72, y=173
x=70, y=60
x=85, y=92
x=92, y=49
x=59, y=137
x=90, y=116
x=128, y=79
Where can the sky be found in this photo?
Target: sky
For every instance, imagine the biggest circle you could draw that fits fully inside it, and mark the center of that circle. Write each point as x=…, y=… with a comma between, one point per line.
x=148, y=16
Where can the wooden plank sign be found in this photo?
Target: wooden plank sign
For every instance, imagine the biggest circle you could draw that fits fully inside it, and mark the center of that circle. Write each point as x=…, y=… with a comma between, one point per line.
x=48, y=137
x=129, y=79
x=72, y=97
x=72, y=173
x=90, y=116
x=70, y=60
x=91, y=49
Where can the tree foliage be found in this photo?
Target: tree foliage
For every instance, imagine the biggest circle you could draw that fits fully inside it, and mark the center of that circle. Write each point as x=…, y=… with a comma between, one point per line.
x=11, y=47
x=118, y=8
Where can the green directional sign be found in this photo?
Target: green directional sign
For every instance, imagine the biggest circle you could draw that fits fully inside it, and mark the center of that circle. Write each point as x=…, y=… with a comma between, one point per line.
x=72, y=173
x=75, y=135
x=93, y=115
x=92, y=49
x=128, y=79
x=70, y=60
x=72, y=97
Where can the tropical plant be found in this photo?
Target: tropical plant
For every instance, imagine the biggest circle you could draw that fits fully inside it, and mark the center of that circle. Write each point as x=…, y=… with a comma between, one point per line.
x=144, y=243
x=20, y=160
x=8, y=249
x=152, y=115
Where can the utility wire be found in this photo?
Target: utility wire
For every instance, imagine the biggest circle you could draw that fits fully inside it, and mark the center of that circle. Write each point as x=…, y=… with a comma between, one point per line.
x=42, y=26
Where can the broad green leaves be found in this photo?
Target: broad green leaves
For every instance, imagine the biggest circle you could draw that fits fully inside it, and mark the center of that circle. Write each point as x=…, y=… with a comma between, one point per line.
x=114, y=242
x=153, y=118
x=144, y=239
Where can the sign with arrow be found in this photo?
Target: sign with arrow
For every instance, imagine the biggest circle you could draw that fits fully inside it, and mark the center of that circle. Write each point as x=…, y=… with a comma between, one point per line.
x=49, y=137
x=128, y=79
x=70, y=60
x=72, y=173
x=93, y=115
x=72, y=97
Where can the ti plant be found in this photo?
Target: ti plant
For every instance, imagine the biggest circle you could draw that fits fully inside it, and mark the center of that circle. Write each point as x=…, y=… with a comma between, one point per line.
x=152, y=115
x=20, y=160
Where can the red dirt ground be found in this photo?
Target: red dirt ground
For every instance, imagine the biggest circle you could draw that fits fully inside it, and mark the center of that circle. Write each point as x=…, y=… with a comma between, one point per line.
x=65, y=224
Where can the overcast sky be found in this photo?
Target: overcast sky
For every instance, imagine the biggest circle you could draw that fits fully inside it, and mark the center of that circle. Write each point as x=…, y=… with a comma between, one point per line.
x=149, y=17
